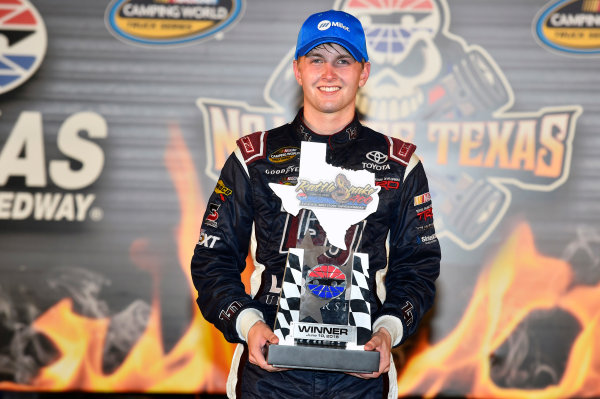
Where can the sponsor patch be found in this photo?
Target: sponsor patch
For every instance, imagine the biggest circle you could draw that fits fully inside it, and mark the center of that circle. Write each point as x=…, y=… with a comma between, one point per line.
x=388, y=184
x=374, y=166
x=221, y=188
x=407, y=313
x=289, y=181
x=400, y=151
x=284, y=171
x=377, y=157
x=231, y=310
x=425, y=227
x=425, y=214
x=426, y=239
x=421, y=199
x=213, y=216
x=283, y=154
x=206, y=240
x=252, y=146
x=326, y=24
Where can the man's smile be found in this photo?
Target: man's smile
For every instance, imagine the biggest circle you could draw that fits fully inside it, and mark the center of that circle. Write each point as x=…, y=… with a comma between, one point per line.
x=329, y=89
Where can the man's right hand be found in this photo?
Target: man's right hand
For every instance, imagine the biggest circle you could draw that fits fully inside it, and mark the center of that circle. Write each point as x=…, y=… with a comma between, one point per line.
x=259, y=336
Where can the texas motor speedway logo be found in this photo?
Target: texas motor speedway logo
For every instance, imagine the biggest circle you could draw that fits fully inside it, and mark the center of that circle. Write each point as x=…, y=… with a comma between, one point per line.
x=38, y=181
x=25, y=41
x=431, y=88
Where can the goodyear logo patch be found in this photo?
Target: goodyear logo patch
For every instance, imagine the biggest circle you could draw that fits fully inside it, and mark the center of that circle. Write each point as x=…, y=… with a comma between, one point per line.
x=284, y=154
x=170, y=22
x=570, y=26
x=25, y=45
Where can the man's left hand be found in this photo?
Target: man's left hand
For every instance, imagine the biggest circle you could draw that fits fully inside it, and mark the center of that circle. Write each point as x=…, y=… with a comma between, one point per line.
x=381, y=341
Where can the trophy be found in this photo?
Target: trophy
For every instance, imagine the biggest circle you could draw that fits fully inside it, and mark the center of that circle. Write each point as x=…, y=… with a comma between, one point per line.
x=323, y=319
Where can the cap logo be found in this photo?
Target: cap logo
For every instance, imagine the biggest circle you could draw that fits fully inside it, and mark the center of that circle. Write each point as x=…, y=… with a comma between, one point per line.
x=324, y=25
x=340, y=25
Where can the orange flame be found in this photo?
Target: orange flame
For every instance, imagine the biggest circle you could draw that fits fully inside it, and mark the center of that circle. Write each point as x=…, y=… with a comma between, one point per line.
x=520, y=280
x=198, y=362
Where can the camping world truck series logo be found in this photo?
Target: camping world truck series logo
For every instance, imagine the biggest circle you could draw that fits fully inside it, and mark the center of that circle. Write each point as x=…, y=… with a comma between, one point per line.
x=25, y=38
x=429, y=87
x=570, y=27
x=170, y=22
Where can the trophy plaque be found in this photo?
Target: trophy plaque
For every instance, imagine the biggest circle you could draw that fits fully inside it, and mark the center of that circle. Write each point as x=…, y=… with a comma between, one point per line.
x=323, y=320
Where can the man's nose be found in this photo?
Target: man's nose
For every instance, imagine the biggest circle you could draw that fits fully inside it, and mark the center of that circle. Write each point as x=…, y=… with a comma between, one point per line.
x=328, y=71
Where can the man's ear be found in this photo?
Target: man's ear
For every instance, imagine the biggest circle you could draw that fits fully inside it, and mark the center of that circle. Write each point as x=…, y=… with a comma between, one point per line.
x=297, y=73
x=364, y=74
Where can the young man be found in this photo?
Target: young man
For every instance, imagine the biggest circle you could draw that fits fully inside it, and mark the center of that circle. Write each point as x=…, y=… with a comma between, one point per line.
x=331, y=64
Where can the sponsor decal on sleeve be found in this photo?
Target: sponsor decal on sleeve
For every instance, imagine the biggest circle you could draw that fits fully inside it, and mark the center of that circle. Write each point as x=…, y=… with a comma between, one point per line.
x=213, y=216
x=421, y=199
x=425, y=214
x=426, y=239
x=407, y=313
x=206, y=240
x=221, y=188
x=231, y=310
x=400, y=151
x=425, y=227
x=253, y=146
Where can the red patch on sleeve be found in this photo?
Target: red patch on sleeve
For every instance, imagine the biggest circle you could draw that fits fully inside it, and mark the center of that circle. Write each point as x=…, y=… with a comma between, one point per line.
x=400, y=151
x=253, y=146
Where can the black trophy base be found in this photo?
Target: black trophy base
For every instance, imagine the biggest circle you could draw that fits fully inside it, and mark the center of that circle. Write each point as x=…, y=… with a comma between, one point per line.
x=323, y=358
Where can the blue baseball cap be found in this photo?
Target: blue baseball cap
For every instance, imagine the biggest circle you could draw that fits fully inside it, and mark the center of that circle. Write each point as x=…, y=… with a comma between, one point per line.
x=332, y=27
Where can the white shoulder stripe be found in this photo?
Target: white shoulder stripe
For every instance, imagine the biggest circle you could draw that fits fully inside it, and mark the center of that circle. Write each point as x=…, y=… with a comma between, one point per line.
x=414, y=161
x=240, y=158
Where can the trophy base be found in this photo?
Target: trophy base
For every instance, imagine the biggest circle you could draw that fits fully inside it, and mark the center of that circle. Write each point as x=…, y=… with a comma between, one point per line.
x=322, y=358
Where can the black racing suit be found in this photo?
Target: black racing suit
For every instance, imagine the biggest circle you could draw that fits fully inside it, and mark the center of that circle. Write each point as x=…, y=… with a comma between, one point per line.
x=399, y=238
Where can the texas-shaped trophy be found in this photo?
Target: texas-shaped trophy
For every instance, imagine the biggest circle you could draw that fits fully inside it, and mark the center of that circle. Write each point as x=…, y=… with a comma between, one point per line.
x=324, y=315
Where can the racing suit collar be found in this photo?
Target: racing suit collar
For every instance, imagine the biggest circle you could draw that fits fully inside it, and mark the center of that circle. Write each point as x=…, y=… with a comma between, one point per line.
x=349, y=133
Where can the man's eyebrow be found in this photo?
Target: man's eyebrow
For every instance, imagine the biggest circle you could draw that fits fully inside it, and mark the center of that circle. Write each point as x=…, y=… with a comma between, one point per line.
x=314, y=53
x=339, y=56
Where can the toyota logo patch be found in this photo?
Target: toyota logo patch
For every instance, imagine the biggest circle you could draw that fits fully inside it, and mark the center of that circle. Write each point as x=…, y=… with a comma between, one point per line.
x=377, y=157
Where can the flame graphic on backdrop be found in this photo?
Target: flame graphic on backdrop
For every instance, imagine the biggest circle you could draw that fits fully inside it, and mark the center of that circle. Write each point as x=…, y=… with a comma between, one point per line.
x=518, y=282
x=199, y=362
